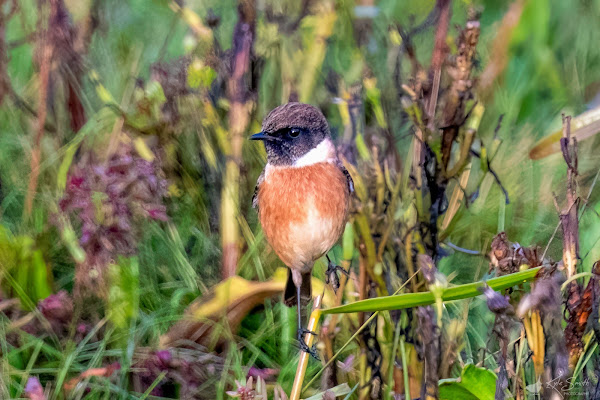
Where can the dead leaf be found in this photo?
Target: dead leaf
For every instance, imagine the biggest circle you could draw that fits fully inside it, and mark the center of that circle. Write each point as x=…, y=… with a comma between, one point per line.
x=583, y=127
x=229, y=302
x=104, y=371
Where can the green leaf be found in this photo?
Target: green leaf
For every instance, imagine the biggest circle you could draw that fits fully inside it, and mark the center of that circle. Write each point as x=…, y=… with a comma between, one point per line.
x=147, y=106
x=123, y=296
x=459, y=292
x=71, y=241
x=200, y=75
x=474, y=384
x=142, y=149
x=348, y=242
x=39, y=276
x=23, y=270
x=63, y=169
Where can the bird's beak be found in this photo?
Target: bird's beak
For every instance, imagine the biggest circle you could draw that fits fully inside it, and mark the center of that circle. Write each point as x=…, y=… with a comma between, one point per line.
x=262, y=136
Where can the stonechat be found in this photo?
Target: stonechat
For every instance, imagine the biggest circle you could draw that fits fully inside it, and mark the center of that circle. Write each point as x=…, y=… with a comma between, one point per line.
x=302, y=197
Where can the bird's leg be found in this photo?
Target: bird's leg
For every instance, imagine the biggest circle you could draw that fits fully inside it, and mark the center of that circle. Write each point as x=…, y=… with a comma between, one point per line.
x=331, y=275
x=303, y=331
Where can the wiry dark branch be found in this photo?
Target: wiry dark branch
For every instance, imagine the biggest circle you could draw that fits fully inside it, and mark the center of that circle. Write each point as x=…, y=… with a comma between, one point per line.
x=498, y=125
x=494, y=174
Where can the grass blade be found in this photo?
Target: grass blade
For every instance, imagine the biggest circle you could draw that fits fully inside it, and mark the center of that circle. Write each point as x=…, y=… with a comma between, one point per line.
x=409, y=300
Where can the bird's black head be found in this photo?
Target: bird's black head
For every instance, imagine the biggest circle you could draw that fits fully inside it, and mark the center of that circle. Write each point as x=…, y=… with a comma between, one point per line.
x=290, y=131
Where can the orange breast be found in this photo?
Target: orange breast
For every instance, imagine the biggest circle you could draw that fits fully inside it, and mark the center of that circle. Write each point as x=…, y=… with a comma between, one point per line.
x=303, y=211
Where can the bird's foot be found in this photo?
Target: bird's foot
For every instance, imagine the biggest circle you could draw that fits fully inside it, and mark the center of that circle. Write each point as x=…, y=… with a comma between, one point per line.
x=302, y=343
x=331, y=275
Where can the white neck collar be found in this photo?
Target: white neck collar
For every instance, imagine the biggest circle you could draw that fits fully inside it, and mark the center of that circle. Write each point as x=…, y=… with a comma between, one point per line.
x=324, y=152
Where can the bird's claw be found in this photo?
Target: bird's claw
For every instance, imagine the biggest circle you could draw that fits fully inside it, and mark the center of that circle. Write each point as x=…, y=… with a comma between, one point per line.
x=331, y=275
x=304, y=347
x=304, y=331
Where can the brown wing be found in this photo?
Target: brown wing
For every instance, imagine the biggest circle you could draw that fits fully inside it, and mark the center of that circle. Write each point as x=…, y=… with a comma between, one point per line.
x=347, y=175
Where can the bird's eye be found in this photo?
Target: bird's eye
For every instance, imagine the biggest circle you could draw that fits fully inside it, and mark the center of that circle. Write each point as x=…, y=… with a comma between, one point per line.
x=294, y=132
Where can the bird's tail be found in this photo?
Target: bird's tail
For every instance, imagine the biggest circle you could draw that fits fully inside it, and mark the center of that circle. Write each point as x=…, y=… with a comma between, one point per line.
x=289, y=295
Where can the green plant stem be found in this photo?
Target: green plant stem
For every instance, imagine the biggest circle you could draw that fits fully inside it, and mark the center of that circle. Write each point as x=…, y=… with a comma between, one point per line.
x=405, y=369
x=519, y=358
x=574, y=277
x=588, y=354
x=158, y=379
x=409, y=300
x=393, y=358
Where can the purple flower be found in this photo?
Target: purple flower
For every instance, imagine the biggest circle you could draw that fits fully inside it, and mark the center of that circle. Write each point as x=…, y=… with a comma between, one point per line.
x=109, y=202
x=34, y=389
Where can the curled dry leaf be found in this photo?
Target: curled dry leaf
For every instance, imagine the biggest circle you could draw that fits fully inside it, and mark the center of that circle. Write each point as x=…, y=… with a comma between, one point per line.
x=231, y=299
x=583, y=126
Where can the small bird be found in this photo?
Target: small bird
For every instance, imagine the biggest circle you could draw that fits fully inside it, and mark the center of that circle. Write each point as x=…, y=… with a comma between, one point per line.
x=302, y=196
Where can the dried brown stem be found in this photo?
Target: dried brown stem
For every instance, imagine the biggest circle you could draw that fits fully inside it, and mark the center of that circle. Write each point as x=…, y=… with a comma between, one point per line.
x=437, y=58
x=45, y=50
x=568, y=215
x=239, y=118
x=460, y=88
x=570, y=228
x=429, y=335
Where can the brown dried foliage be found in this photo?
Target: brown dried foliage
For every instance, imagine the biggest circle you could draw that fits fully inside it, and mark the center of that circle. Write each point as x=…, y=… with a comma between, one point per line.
x=460, y=88
x=506, y=257
x=581, y=314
